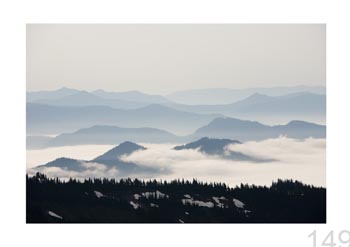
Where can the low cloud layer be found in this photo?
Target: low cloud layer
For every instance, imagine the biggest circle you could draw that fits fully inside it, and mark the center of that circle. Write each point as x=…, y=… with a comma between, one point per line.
x=302, y=160
x=80, y=152
x=90, y=170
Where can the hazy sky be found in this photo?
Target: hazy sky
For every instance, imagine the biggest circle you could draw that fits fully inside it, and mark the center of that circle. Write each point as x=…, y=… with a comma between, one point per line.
x=166, y=58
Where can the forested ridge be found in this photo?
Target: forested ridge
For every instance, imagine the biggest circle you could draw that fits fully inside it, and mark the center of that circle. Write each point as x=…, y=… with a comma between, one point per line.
x=51, y=200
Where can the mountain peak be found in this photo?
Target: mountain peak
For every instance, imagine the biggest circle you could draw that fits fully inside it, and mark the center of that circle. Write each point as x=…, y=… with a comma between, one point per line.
x=296, y=122
x=63, y=162
x=258, y=95
x=299, y=123
x=208, y=145
x=129, y=145
x=231, y=123
x=255, y=98
x=66, y=89
x=99, y=91
x=122, y=149
x=158, y=107
x=63, y=91
x=218, y=147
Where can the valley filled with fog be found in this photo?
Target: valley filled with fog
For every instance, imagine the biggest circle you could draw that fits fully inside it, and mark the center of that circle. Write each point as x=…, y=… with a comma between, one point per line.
x=303, y=160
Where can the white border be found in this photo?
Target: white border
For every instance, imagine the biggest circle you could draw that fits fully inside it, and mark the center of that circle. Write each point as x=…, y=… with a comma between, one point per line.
x=14, y=14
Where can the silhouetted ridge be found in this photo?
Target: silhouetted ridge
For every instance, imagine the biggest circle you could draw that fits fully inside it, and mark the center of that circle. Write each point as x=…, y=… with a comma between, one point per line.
x=208, y=145
x=109, y=160
x=212, y=146
x=124, y=148
x=246, y=130
x=255, y=98
x=65, y=163
x=299, y=123
x=221, y=124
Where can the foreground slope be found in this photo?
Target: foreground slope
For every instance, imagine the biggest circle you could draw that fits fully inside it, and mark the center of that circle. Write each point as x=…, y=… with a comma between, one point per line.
x=111, y=201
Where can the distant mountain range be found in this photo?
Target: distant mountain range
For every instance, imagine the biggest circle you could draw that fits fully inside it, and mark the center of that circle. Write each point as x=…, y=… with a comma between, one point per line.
x=111, y=135
x=215, y=96
x=50, y=94
x=301, y=105
x=80, y=109
x=49, y=119
x=210, y=96
x=88, y=99
x=143, y=117
x=232, y=128
x=134, y=96
x=245, y=130
x=273, y=100
x=73, y=97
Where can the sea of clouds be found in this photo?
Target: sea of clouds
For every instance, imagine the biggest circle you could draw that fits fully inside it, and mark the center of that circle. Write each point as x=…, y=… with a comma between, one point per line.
x=303, y=160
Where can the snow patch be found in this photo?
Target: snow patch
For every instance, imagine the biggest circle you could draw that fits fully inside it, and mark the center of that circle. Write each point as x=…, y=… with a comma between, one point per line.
x=181, y=221
x=55, y=215
x=238, y=203
x=197, y=203
x=187, y=196
x=157, y=195
x=217, y=200
x=137, y=196
x=98, y=194
x=135, y=205
x=187, y=213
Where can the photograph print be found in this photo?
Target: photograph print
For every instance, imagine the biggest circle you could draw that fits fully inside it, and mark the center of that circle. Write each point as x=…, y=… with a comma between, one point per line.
x=176, y=123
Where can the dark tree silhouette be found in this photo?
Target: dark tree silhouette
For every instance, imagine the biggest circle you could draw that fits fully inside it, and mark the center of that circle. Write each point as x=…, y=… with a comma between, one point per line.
x=109, y=200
